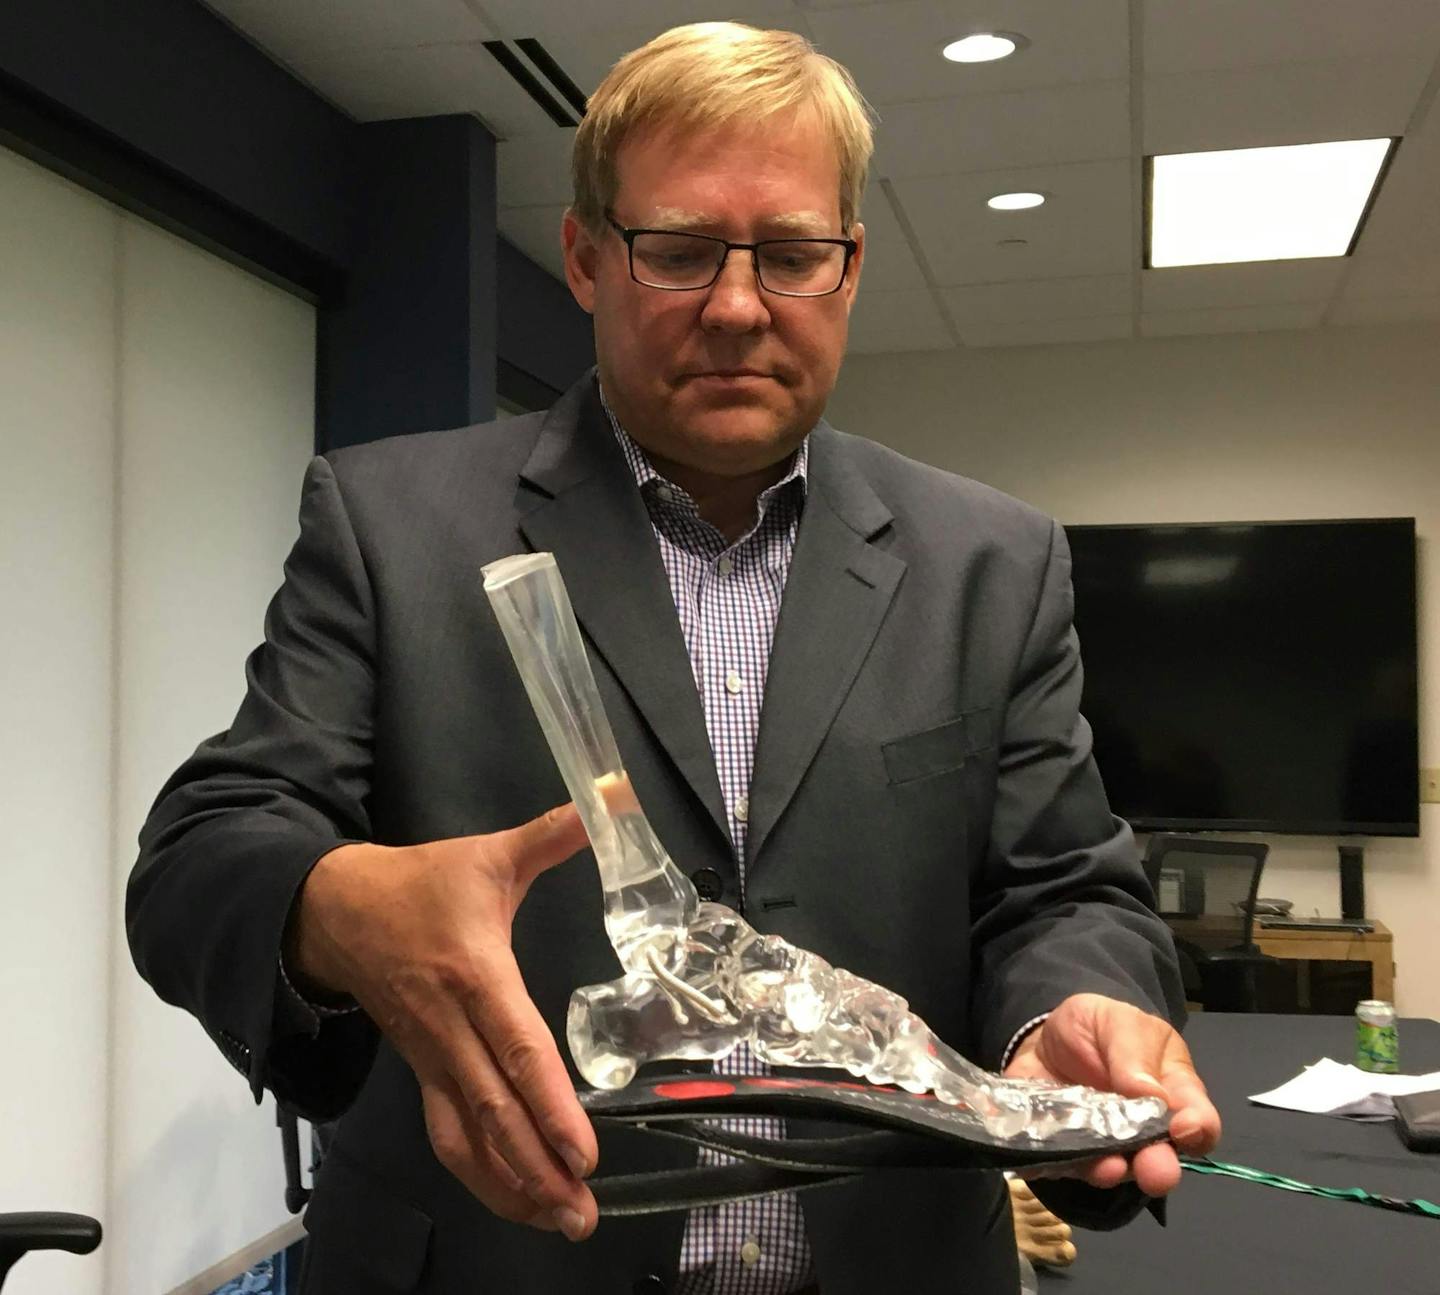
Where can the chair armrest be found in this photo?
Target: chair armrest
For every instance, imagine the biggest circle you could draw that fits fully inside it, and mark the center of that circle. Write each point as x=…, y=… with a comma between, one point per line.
x=20, y=1233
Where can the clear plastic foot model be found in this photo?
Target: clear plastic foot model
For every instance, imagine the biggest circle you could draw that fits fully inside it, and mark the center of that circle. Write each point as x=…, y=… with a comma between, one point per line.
x=698, y=980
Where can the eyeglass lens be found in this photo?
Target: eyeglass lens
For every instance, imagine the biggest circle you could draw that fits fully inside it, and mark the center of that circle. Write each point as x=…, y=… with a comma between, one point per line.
x=800, y=267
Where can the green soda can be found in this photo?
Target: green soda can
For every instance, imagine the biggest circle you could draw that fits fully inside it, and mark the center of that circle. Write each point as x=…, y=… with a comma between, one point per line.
x=1377, y=1043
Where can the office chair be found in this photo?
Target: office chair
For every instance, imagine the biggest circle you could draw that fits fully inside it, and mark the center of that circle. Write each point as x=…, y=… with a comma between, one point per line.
x=21, y=1233
x=1223, y=980
x=297, y=1195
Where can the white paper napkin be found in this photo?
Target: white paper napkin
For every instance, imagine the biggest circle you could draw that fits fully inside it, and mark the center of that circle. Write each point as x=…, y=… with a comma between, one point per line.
x=1329, y=1088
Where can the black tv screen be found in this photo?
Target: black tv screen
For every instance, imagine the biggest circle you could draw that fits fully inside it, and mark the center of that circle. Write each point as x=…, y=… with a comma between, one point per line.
x=1253, y=677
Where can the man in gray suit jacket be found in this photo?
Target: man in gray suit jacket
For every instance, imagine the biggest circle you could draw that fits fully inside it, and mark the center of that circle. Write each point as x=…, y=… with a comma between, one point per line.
x=845, y=687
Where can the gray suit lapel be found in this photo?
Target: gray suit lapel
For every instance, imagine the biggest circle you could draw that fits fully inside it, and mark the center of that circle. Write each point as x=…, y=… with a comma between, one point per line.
x=837, y=594
x=578, y=501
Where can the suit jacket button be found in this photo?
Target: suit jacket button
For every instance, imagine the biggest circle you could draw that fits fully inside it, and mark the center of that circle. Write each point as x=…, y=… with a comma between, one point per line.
x=650, y=1285
x=707, y=883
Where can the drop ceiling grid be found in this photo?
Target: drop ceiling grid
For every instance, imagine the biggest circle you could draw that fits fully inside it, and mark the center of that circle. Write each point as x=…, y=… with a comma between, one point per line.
x=1219, y=34
x=1057, y=117
x=302, y=31
x=892, y=49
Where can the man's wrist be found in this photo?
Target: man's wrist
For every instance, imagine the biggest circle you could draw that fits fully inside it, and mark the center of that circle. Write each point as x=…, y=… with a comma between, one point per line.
x=321, y=1008
x=309, y=961
x=1019, y=1037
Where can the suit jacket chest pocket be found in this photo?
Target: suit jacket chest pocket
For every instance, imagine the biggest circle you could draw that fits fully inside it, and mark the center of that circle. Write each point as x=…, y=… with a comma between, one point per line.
x=939, y=749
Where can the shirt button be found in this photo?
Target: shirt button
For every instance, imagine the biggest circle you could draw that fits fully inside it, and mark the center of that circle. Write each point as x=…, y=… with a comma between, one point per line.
x=733, y=682
x=742, y=809
x=664, y=494
x=750, y=1254
x=725, y=566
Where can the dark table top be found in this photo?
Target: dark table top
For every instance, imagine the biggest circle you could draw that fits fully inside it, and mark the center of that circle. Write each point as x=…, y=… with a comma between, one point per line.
x=1234, y=1237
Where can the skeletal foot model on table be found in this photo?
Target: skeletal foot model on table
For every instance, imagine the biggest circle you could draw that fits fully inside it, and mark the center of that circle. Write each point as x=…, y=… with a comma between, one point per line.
x=697, y=979
x=1039, y=1235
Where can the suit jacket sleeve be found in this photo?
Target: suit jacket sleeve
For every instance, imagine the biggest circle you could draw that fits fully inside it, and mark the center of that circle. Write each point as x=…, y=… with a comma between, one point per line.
x=1062, y=906
x=235, y=831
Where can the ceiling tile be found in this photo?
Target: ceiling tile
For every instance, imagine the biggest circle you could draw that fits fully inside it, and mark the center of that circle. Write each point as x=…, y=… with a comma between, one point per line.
x=1244, y=33
x=294, y=30
x=1408, y=274
x=1084, y=228
x=889, y=263
x=1245, y=319
x=536, y=232
x=896, y=321
x=587, y=41
x=1260, y=283
x=1398, y=310
x=1048, y=332
x=893, y=50
x=989, y=132
x=535, y=171
x=1299, y=103
x=1219, y=74
x=527, y=18
x=1039, y=299
x=382, y=85
x=1404, y=217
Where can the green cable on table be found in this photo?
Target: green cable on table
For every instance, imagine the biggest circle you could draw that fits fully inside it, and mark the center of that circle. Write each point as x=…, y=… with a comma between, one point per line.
x=1204, y=1165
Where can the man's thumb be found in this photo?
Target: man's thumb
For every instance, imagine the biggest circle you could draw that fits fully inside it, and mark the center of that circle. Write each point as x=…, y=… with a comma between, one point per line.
x=540, y=844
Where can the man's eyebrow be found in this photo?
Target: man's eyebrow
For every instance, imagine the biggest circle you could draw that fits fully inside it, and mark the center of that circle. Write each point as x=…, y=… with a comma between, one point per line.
x=812, y=224
x=680, y=218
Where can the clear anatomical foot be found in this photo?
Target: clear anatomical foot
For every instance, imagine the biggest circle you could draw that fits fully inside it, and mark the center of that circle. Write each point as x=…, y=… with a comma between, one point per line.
x=698, y=980
x=725, y=984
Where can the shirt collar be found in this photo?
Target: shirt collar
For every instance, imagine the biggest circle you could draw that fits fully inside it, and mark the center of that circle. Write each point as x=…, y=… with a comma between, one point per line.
x=644, y=471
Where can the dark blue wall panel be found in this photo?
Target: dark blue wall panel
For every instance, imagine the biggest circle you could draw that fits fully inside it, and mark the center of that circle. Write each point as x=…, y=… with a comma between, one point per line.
x=412, y=346
x=389, y=227
x=172, y=81
x=543, y=333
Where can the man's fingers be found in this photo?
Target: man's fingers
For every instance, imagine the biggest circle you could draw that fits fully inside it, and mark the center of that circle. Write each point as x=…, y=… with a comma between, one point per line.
x=462, y=1149
x=540, y=844
x=1156, y=1169
x=1134, y=1048
x=1107, y=1171
x=507, y=1123
x=493, y=1115
x=1196, y=1127
x=525, y=1054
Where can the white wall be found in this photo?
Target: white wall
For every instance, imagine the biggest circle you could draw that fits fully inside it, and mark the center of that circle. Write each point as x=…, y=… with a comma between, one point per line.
x=57, y=373
x=158, y=416
x=216, y=418
x=1324, y=423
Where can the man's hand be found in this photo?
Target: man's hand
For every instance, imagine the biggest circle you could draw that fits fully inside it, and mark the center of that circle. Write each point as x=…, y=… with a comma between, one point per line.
x=1106, y=1044
x=419, y=936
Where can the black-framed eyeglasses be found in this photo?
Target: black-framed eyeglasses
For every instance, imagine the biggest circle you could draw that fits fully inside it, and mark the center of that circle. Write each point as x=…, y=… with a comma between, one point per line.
x=789, y=267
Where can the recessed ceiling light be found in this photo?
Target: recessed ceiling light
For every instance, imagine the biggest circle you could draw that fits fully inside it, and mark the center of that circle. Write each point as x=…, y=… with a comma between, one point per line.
x=1015, y=201
x=983, y=47
x=1261, y=204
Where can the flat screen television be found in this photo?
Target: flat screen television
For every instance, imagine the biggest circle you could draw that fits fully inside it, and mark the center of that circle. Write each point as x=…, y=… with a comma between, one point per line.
x=1253, y=677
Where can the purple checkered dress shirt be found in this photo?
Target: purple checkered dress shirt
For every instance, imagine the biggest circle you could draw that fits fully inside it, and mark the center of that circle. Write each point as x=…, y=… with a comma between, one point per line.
x=728, y=600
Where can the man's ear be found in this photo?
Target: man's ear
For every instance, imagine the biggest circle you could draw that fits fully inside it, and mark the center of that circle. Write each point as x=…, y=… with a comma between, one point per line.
x=581, y=256
x=852, y=275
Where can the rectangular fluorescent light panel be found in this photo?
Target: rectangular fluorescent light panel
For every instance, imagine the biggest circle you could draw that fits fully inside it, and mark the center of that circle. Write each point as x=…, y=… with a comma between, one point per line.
x=1261, y=204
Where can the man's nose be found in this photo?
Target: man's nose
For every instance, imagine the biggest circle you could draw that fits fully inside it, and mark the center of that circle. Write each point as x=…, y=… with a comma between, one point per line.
x=734, y=303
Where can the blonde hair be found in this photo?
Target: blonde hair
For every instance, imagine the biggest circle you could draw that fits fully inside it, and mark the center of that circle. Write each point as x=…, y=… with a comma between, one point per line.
x=709, y=74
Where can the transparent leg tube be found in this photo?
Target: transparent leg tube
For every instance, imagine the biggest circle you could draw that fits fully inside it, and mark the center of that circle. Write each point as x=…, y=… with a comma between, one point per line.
x=698, y=980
